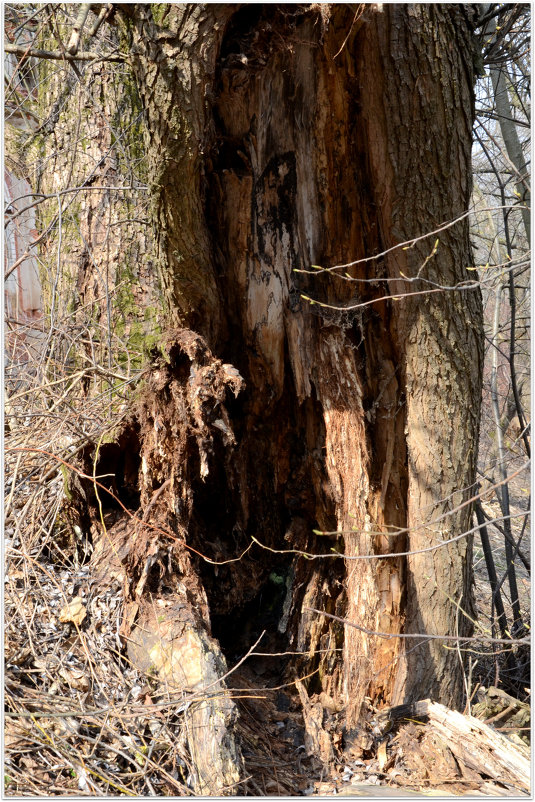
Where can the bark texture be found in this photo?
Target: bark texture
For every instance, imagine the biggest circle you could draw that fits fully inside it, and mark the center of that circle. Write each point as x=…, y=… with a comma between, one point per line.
x=419, y=135
x=174, y=65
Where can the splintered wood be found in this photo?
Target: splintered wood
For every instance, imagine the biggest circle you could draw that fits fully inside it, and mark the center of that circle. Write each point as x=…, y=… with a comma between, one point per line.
x=317, y=740
x=480, y=748
x=460, y=753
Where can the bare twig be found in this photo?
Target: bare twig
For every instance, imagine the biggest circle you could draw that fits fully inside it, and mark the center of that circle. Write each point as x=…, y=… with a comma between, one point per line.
x=419, y=636
x=27, y=52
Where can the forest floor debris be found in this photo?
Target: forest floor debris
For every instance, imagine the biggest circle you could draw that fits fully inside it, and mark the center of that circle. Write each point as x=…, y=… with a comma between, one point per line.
x=81, y=720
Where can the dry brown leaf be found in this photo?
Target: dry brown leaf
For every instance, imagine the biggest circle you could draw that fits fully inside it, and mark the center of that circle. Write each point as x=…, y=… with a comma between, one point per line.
x=76, y=678
x=74, y=612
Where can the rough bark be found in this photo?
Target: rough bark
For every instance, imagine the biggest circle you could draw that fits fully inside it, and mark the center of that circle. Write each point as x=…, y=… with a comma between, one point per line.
x=419, y=135
x=174, y=66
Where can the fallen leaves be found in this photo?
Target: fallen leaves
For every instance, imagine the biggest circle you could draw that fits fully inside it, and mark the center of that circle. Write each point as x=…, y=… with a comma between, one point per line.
x=74, y=612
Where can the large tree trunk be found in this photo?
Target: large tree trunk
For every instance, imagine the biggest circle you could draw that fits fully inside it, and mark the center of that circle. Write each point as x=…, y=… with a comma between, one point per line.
x=278, y=138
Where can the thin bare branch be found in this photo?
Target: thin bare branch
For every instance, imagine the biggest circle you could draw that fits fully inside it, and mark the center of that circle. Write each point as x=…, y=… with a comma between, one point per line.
x=419, y=636
x=51, y=55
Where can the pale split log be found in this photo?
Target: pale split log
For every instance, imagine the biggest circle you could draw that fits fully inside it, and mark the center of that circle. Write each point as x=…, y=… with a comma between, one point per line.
x=172, y=645
x=479, y=746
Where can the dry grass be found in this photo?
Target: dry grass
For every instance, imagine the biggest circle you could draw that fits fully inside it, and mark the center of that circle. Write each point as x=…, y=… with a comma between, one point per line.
x=79, y=718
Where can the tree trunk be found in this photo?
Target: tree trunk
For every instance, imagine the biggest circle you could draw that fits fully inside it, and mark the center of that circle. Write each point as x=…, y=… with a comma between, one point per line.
x=279, y=138
x=421, y=155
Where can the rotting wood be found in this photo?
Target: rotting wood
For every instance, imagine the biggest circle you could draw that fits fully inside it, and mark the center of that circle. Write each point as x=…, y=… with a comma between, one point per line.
x=168, y=643
x=270, y=123
x=267, y=155
x=480, y=752
x=178, y=421
x=317, y=740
